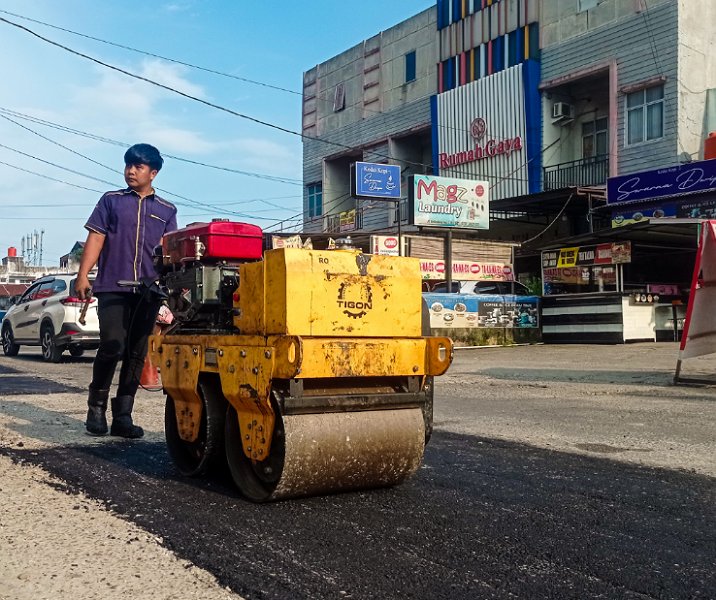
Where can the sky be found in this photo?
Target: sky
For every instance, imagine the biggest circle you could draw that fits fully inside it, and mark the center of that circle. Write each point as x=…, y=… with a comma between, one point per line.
x=66, y=120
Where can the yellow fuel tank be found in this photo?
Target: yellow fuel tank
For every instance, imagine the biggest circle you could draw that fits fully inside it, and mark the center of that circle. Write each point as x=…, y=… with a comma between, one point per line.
x=341, y=293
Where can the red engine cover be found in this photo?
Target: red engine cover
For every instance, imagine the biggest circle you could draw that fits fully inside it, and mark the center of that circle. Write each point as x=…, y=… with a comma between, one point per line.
x=222, y=240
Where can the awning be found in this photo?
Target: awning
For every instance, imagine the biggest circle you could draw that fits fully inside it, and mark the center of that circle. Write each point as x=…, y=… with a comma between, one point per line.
x=649, y=233
x=550, y=203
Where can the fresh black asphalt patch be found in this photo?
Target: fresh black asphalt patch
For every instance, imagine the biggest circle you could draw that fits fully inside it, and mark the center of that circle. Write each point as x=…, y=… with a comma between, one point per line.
x=7, y=370
x=481, y=519
x=27, y=384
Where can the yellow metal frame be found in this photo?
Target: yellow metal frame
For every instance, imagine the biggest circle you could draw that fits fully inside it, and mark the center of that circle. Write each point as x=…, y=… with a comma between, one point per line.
x=247, y=365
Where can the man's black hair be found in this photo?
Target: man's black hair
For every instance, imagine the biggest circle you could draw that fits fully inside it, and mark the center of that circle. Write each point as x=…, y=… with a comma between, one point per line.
x=144, y=154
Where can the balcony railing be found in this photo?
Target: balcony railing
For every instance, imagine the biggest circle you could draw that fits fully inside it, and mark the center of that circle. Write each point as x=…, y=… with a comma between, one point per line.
x=332, y=223
x=583, y=172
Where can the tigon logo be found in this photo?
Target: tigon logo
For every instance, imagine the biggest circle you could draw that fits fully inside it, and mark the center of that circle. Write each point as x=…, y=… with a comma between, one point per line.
x=356, y=299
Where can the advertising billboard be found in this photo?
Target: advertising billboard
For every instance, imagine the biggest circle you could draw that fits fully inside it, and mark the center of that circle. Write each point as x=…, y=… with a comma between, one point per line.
x=476, y=311
x=386, y=245
x=449, y=202
x=465, y=270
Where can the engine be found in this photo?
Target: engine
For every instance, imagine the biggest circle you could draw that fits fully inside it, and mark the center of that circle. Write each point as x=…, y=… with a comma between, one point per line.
x=199, y=268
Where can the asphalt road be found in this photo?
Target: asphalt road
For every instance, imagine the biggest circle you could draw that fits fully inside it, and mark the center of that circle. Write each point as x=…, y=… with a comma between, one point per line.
x=529, y=489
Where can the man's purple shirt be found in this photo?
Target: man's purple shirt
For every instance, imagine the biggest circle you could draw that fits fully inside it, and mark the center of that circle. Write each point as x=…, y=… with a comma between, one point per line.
x=133, y=226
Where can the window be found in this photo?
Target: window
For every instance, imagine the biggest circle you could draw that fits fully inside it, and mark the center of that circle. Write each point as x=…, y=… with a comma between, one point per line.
x=315, y=200
x=29, y=293
x=594, y=138
x=410, y=66
x=645, y=115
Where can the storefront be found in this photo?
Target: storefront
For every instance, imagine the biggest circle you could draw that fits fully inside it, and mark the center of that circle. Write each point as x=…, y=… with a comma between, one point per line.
x=620, y=285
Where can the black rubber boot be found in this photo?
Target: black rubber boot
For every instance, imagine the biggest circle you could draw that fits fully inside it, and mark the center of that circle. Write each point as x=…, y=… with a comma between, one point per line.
x=96, y=422
x=122, y=424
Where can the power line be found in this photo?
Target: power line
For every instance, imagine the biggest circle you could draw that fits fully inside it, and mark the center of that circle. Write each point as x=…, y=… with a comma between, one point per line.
x=189, y=96
x=78, y=132
x=47, y=177
x=230, y=111
x=146, y=53
x=191, y=201
x=205, y=102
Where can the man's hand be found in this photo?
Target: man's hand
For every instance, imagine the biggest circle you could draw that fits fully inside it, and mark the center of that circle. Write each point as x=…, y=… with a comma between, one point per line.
x=83, y=289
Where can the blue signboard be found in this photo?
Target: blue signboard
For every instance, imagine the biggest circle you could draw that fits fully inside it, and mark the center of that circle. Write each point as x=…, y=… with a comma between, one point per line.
x=473, y=310
x=688, y=178
x=373, y=180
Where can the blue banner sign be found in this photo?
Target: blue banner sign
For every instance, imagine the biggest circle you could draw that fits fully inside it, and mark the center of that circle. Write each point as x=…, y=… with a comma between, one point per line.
x=688, y=178
x=471, y=310
x=373, y=180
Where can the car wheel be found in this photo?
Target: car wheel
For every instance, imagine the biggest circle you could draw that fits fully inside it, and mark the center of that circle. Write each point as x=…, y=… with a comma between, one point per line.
x=9, y=347
x=76, y=351
x=51, y=352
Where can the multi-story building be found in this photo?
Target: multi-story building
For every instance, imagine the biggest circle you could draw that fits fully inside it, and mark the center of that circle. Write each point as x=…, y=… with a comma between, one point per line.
x=544, y=100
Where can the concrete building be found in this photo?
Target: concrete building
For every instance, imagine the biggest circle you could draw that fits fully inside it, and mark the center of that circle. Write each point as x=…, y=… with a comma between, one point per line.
x=543, y=100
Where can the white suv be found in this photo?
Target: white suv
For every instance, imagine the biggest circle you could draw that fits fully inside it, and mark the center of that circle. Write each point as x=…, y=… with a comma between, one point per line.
x=48, y=315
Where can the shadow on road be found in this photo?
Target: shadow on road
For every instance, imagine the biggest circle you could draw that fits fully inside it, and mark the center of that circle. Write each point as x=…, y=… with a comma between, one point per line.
x=482, y=518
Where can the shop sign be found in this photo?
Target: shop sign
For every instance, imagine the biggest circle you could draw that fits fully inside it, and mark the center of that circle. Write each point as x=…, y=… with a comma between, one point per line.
x=374, y=180
x=489, y=149
x=563, y=275
x=567, y=257
x=453, y=311
x=637, y=215
x=621, y=252
x=449, y=202
x=698, y=209
x=682, y=179
x=595, y=255
x=386, y=245
x=347, y=220
x=586, y=256
x=549, y=259
x=463, y=270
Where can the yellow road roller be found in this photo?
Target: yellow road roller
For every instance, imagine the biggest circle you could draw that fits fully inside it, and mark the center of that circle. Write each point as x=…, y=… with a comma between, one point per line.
x=307, y=371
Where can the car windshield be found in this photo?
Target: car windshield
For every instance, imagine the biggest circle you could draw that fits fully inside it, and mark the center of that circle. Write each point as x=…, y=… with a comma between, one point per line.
x=500, y=288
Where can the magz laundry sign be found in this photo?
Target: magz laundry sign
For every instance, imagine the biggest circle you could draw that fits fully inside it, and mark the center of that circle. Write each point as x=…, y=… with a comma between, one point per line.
x=463, y=270
x=449, y=202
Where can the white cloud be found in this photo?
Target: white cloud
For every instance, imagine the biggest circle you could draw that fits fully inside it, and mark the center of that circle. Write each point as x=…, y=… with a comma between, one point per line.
x=177, y=7
x=171, y=75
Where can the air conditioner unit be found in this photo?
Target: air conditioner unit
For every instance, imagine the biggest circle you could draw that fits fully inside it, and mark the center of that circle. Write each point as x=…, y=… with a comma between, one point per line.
x=562, y=111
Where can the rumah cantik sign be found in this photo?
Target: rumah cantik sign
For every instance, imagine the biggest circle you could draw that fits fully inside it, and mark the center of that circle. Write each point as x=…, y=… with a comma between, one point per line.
x=448, y=202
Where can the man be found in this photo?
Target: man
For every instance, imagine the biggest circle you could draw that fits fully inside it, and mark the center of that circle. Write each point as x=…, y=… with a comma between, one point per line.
x=124, y=228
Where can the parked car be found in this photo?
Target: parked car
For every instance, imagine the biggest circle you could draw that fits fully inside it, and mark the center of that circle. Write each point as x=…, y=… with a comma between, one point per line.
x=47, y=314
x=498, y=288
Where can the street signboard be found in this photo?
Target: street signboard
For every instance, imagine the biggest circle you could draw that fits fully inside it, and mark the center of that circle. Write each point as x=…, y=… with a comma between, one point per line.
x=374, y=180
x=688, y=178
x=449, y=202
